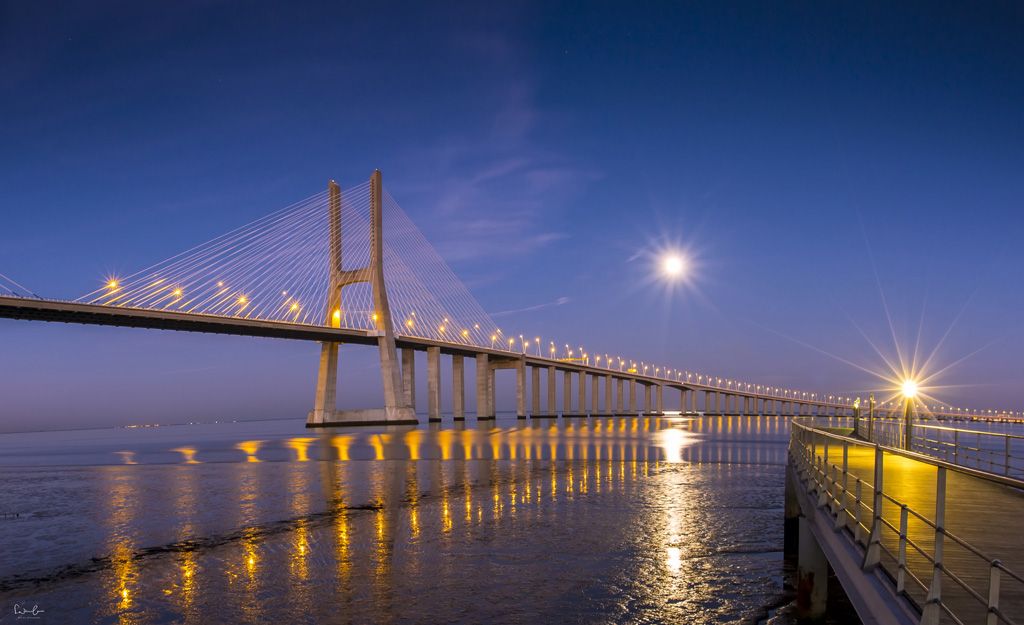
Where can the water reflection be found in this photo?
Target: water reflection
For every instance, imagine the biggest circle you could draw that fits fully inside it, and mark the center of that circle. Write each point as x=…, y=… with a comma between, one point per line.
x=392, y=525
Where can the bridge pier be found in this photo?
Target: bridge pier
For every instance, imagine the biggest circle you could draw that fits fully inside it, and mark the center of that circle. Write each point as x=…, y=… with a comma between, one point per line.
x=581, y=396
x=566, y=393
x=659, y=399
x=458, y=387
x=607, y=395
x=812, y=575
x=409, y=377
x=434, y=384
x=534, y=391
x=521, y=388
x=595, y=388
x=483, y=388
x=620, y=399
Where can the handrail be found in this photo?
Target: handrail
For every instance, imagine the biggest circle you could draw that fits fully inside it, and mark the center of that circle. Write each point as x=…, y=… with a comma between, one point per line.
x=924, y=426
x=830, y=483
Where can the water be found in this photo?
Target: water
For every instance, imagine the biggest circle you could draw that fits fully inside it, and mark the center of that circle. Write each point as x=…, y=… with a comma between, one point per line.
x=603, y=520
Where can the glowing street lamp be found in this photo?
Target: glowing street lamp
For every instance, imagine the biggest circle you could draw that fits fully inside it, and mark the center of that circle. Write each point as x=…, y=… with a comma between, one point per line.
x=909, y=389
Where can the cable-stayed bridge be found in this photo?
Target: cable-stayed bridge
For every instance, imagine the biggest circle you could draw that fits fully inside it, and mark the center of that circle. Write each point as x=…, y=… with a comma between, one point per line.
x=349, y=266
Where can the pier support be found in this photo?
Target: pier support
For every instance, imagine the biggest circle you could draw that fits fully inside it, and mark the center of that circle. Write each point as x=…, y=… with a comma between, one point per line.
x=607, y=395
x=458, y=387
x=566, y=392
x=632, y=396
x=620, y=391
x=534, y=391
x=483, y=390
x=521, y=388
x=581, y=396
x=409, y=377
x=812, y=575
x=551, y=391
x=434, y=384
x=659, y=399
x=595, y=388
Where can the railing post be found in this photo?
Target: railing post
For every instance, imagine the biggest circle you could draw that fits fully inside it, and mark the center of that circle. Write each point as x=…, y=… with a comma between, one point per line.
x=841, y=510
x=1006, y=457
x=901, y=570
x=956, y=447
x=857, y=502
x=873, y=553
x=993, y=594
x=933, y=602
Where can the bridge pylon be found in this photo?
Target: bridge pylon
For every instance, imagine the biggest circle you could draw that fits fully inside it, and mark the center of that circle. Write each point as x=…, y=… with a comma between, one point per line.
x=397, y=409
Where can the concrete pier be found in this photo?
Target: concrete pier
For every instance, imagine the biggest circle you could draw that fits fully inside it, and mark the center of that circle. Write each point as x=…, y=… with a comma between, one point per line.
x=458, y=387
x=483, y=388
x=521, y=388
x=434, y=384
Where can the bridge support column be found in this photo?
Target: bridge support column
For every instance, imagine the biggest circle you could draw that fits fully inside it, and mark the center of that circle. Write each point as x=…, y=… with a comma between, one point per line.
x=722, y=408
x=620, y=391
x=551, y=391
x=521, y=389
x=632, y=396
x=812, y=575
x=458, y=387
x=595, y=394
x=326, y=385
x=566, y=392
x=693, y=400
x=607, y=395
x=409, y=376
x=581, y=396
x=534, y=390
x=659, y=399
x=648, y=408
x=483, y=391
x=433, y=384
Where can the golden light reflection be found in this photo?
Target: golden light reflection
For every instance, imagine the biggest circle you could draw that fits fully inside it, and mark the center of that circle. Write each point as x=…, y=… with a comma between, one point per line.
x=188, y=454
x=673, y=559
x=300, y=445
x=250, y=449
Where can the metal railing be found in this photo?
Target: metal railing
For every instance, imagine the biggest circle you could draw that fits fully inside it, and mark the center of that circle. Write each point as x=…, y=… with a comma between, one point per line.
x=894, y=505
x=996, y=452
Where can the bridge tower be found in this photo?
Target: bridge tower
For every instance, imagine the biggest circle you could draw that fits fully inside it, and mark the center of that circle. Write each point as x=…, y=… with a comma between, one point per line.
x=397, y=409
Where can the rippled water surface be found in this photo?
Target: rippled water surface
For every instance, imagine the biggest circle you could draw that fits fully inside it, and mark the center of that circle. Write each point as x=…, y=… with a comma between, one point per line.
x=601, y=520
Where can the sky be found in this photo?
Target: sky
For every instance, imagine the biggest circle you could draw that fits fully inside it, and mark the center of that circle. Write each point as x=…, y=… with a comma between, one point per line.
x=824, y=169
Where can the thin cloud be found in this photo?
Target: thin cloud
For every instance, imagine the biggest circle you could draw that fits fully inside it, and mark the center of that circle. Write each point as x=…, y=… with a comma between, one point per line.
x=558, y=302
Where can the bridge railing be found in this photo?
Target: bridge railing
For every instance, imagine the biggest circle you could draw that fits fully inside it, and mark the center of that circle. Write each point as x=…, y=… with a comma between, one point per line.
x=995, y=452
x=944, y=536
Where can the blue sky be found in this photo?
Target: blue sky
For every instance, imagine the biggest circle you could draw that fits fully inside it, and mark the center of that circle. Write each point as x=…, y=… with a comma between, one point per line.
x=543, y=148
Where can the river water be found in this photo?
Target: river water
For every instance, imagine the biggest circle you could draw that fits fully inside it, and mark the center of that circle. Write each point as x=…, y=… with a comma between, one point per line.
x=600, y=520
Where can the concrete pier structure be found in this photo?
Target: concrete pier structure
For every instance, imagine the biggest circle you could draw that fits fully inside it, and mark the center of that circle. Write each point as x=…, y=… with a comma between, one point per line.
x=458, y=387
x=434, y=384
x=483, y=388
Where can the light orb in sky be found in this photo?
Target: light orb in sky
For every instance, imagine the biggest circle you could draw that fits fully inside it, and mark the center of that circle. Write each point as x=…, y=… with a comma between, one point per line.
x=909, y=388
x=673, y=265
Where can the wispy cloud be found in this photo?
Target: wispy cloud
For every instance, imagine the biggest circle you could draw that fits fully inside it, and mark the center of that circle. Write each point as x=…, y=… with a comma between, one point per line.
x=558, y=302
x=495, y=190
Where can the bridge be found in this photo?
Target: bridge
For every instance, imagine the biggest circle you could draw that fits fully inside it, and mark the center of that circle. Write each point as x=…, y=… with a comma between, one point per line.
x=350, y=267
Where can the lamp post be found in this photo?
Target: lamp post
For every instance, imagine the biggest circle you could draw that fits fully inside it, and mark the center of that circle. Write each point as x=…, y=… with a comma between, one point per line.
x=909, y=391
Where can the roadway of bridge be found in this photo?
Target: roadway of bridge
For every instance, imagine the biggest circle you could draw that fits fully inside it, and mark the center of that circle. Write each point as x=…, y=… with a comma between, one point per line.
x=94, y=314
